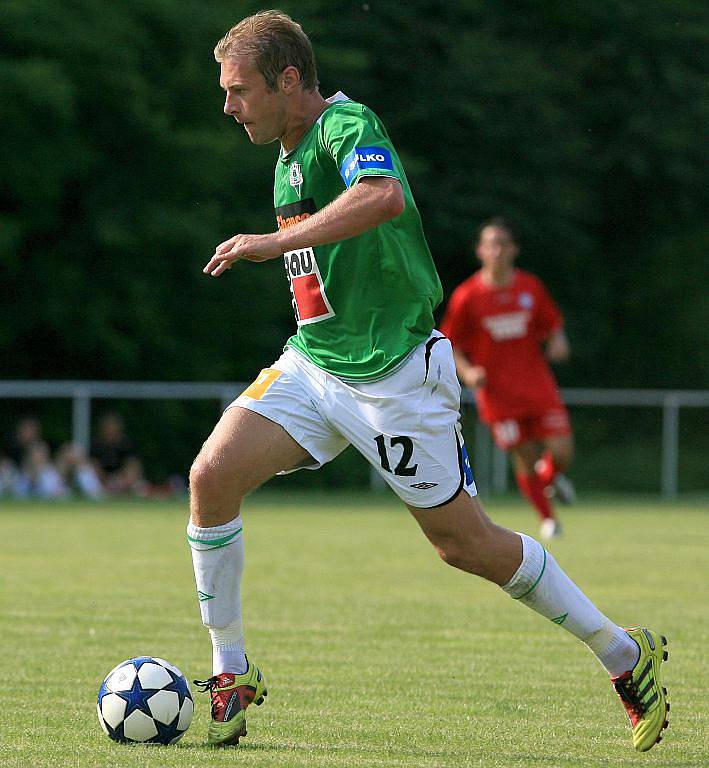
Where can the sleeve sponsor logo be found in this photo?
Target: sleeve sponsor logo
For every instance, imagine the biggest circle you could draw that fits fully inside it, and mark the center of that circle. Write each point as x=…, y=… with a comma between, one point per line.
x=509, y=325
x=363, y=158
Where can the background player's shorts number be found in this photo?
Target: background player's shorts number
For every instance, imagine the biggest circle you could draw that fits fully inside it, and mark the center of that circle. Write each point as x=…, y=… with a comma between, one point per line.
x=407, y=450
x=506, y=432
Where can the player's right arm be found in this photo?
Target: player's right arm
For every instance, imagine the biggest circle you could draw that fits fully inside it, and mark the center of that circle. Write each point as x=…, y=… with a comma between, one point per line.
x=358, y=209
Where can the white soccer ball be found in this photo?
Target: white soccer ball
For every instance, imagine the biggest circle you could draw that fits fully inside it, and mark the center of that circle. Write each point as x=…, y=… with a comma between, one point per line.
x=145, y=700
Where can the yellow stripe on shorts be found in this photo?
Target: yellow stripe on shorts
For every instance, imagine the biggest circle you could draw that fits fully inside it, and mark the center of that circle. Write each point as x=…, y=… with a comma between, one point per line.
x=264, y=380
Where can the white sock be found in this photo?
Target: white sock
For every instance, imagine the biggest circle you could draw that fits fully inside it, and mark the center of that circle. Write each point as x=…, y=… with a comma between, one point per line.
x=218, y=559
x=541, y=585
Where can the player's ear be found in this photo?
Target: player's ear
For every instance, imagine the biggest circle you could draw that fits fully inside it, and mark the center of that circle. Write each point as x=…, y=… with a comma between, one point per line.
x=289, y=79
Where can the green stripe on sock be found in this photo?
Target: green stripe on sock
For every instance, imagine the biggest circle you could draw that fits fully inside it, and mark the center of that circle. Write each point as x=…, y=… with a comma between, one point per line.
x=539, y=578
x=216, y=543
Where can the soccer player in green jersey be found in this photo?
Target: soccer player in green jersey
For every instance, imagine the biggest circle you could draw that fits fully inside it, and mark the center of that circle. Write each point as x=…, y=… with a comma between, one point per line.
x=366, y=367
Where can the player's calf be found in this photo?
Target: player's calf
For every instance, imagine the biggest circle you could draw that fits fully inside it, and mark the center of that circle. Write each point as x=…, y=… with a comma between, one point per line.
x=466, y=538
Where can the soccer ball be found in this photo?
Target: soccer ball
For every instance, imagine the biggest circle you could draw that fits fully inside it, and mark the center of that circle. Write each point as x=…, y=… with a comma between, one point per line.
x=145, y=700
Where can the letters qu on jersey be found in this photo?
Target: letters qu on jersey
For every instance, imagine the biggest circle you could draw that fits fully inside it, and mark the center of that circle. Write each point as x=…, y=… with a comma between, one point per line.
x=310, y=302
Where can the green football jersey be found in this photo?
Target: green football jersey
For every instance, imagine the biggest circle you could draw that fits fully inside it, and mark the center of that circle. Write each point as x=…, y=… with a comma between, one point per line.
x=364, y=303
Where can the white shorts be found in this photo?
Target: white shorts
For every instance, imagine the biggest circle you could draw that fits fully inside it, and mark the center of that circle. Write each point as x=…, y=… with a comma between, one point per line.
x=406, y=425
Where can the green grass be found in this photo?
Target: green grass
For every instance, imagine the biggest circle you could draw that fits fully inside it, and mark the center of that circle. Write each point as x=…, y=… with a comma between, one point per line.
x=375, y=653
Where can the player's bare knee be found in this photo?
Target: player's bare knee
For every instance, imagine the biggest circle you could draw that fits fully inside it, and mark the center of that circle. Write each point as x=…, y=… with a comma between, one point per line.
x=199, y=476
x=207, y=483
x=458, y=555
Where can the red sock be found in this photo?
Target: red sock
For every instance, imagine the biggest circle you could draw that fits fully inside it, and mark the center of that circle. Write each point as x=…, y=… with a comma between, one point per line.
x=546, y=469
x=532, y=489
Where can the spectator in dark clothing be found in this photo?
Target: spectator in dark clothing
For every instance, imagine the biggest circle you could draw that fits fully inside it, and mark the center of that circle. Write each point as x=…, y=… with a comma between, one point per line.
x=115, y=458
x=28, y=432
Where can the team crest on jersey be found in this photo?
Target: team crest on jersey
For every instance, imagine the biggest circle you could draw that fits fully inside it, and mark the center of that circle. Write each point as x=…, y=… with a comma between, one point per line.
x=295, y=177
x=526, y=300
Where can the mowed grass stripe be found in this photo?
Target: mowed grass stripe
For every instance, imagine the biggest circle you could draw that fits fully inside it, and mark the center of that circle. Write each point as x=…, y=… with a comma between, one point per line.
x=374, y=652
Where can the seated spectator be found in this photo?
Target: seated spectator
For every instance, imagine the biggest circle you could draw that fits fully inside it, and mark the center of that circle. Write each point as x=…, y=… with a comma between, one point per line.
x=7, y=475
x=115, y=458
x=37, y=476
x=78, y=472
x=26, y=470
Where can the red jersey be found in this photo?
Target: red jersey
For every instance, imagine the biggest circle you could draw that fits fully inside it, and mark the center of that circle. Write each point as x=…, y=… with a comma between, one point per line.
x=502, y=329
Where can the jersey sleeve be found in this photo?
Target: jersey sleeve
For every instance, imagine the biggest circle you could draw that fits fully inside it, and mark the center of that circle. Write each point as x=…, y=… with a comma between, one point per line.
x=357, y=141
x=455, y=323
x=549, y=317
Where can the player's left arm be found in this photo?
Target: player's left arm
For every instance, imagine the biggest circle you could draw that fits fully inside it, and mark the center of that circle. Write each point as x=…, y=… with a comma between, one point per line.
x=557, y=346
x=550, y=324
x=369, y=203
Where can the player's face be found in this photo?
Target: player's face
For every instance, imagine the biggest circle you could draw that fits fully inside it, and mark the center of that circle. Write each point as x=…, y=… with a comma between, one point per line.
x=496, y=249
x=250, y=103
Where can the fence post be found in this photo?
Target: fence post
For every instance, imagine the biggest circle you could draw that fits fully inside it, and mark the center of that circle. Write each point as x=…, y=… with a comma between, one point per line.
x=81, y=419
x=670, y=442
x=227, y=398
x=481, y=463
x=499, y=470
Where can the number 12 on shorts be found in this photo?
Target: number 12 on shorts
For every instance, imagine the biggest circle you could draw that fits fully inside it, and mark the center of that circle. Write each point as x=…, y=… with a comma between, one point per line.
x=403, y=468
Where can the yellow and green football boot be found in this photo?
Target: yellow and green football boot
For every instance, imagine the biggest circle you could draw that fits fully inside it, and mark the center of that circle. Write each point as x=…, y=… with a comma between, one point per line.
x=641, y=692
x=230, y=695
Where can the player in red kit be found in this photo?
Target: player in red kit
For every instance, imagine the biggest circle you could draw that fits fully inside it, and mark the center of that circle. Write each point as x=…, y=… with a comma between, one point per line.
x=505, y=327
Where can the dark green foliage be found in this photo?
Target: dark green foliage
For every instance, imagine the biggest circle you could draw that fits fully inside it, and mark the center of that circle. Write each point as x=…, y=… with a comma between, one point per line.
x=585, y=123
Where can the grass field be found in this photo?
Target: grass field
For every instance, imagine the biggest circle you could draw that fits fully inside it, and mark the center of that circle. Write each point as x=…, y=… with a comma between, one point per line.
x=375, y=653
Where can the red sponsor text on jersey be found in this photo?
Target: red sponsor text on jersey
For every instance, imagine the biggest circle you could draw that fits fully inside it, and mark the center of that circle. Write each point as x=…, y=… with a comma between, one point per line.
x=306, y=284
x=310, y=304
x=284, y=223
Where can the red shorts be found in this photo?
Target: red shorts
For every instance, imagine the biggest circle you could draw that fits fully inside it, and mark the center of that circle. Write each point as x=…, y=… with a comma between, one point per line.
x=509, y=433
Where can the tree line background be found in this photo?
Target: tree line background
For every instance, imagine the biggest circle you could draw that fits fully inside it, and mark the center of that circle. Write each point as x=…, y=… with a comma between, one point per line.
x=585, y=123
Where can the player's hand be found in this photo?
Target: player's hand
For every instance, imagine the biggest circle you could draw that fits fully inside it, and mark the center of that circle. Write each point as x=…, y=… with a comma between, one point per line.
x=557, y=348
x=475, y=377
x=247, y=247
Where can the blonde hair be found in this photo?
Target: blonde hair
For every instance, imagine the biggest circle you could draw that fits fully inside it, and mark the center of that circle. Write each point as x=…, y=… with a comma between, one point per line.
x=274, y=41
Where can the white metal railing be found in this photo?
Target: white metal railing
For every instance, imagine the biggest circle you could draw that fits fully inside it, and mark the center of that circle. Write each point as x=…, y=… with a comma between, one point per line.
x=491, y=464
